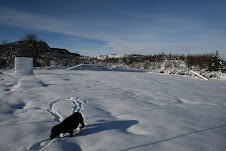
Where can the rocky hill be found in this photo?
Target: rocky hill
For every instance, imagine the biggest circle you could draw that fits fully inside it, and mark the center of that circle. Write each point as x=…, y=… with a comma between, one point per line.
x=41, y=52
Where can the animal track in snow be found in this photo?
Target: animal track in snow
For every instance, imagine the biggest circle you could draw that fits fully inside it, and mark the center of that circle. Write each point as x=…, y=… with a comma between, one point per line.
x=63, y=108
x=59, y=109
x=51, y=111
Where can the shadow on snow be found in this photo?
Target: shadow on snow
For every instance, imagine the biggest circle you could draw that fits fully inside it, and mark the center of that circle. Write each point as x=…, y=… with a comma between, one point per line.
x=106, y=126
x=172, y=138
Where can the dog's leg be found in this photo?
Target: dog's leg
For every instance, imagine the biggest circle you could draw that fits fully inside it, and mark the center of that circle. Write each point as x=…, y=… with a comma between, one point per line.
x=81, y=122
x=71, y=133
x=83, y=125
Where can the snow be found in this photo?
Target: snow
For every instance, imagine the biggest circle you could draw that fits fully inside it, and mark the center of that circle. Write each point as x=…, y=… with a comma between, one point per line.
x=122, y=111
x=92, y=67
x=102, y=57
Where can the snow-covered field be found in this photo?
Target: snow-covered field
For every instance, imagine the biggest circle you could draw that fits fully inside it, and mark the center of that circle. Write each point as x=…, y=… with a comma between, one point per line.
x=122, y=111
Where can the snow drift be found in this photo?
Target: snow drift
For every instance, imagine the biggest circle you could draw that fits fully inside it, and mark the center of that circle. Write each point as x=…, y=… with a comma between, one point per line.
x=91, y=67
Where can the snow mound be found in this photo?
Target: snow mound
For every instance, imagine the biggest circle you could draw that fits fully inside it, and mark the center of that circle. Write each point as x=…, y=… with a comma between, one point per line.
x=23, y=66
x=92, y=67
x=29, y=82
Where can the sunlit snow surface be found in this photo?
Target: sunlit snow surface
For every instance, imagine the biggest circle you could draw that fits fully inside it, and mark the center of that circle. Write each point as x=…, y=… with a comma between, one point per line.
x=122, y=111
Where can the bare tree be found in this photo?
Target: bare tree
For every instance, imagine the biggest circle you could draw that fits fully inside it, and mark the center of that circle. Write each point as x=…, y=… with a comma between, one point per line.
x=30, y=37
x=31, y=47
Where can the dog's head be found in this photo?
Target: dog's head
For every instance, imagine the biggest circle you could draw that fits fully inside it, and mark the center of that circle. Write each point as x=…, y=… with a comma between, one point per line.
x=78, y=116
x=56, y=130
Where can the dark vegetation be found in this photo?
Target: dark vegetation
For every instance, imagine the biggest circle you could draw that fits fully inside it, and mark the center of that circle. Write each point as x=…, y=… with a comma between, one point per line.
x=210, y=62
x=31, y=46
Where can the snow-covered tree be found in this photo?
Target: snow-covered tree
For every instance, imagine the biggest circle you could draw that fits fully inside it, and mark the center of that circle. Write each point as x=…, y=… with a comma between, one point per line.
x=215, y=63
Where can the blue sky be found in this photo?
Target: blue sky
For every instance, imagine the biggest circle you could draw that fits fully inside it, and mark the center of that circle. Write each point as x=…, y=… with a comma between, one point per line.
x=95, y=27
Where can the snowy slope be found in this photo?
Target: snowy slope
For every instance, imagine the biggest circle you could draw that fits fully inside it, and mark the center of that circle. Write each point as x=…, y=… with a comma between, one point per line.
x=122, y=110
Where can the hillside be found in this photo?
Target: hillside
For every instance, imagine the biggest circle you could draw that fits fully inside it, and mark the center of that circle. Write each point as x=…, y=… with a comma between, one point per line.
x=39, y=50
x=43, y=48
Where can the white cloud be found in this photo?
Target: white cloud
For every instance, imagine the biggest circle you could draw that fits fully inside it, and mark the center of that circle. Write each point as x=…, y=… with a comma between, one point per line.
x=34, y=21
x=141, y=34
x=81, y=29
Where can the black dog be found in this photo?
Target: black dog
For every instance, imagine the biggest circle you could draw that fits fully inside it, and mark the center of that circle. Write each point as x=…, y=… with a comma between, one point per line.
x=68, y=125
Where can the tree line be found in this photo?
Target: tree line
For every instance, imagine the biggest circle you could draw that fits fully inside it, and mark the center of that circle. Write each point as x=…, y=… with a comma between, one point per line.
x=210, y=61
